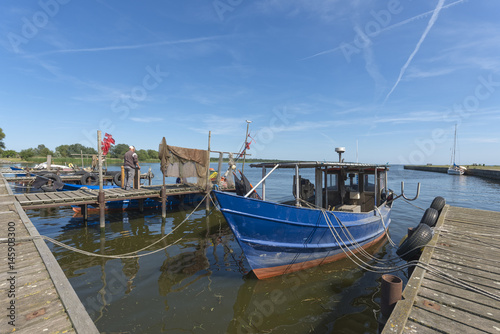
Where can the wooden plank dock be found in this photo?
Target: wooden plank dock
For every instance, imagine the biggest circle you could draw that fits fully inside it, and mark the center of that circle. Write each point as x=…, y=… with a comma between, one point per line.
x=21, y=176
x=90, y=196
x=35, y=295
x=465, y=245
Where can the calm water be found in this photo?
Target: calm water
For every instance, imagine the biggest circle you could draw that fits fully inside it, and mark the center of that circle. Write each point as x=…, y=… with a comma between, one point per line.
x=202, y=285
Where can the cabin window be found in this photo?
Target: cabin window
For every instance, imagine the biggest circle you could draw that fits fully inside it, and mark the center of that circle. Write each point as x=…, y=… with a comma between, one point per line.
x=333, y=182
x=381, y=180
x=369, y=183
x=352, y=182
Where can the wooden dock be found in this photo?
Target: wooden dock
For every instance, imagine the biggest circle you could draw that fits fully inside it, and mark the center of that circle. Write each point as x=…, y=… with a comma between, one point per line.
x=466, y=245
x=35, y=295
x=21, y=177
x=90, y=196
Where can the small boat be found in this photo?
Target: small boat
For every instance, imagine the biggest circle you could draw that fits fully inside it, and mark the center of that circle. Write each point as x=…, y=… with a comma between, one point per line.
x=68, y=186
x=347, y=209
x=454, y=169
x=45, y=165
x=148, y=203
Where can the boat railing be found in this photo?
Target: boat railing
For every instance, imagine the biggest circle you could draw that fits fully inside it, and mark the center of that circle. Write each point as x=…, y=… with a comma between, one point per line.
x=404, y=195
x=260, y=182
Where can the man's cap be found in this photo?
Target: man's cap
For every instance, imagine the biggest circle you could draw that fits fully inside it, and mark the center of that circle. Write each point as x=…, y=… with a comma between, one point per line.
x=131, y=146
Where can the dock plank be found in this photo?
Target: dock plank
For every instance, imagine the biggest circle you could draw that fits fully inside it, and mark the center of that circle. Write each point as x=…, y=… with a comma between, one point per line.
x=458, y=302
x=466, y=246
x=45, y=301
x=450, y=320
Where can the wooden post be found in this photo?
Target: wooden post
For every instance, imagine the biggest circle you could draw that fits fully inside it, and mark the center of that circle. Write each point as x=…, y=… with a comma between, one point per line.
x=85, y=212
x=123, y=177
x=137, y=178
x=219, y=168
x=49, y=161
x=102, y=203
x=163, y=195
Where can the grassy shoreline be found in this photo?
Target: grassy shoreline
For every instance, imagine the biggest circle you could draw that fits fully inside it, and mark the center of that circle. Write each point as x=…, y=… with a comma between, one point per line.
x=114, y=161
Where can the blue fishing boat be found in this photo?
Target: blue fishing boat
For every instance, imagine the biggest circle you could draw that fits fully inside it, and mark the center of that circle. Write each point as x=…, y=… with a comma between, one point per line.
x=345, y=210
x=69, y=187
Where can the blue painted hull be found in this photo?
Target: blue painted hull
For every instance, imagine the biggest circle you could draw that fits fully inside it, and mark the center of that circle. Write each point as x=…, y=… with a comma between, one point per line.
x=69, y=187
x=278, y=239
x=149, y=203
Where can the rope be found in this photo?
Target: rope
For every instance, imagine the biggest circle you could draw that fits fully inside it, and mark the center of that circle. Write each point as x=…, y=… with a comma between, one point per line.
x=127, y=255
x=413, y=205
x=385, y=228
x=351, y=254
x=345, y=231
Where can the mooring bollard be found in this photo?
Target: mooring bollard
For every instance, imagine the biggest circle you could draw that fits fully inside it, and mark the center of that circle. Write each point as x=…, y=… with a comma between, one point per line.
x=123, y=178
x=391, y=289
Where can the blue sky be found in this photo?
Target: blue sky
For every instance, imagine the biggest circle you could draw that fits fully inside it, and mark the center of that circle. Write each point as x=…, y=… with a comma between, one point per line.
x=390, y=77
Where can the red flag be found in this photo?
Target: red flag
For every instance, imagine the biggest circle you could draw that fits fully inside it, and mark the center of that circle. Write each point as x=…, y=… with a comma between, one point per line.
x=106, y=143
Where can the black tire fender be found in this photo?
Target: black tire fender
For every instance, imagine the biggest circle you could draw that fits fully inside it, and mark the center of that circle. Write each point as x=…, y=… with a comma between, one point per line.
x=411, y=246
x=47, y=188
x=52, y=176
x=117, y=179
x=88, y=179
x=55, y=182
x=430, y=217
x=438, y=203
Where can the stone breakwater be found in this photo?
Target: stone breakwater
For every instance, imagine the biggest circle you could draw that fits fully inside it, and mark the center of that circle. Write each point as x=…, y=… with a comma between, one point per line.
x=486, y=173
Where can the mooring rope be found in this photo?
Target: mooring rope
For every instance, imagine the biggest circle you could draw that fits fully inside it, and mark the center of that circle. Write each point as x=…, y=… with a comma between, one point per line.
x=127, y=255
x=351, y=254
x=406, y=201
x=385, y=228
x=350, y=238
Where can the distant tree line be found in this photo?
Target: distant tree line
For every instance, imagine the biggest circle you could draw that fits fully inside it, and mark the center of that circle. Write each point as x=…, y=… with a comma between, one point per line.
x=71, y=151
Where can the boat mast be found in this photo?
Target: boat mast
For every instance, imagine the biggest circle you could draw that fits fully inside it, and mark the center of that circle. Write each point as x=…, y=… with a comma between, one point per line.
x=454, y=145
x=245, y=148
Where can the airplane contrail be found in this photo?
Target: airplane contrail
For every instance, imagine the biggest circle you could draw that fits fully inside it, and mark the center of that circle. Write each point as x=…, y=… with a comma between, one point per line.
x=432, y=20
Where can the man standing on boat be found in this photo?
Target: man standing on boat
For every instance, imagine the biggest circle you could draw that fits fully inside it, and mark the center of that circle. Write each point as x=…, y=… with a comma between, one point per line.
x=130, y=163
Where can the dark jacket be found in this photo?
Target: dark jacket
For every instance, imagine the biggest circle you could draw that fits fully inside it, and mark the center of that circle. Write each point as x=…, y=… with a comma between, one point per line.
x=130, y=159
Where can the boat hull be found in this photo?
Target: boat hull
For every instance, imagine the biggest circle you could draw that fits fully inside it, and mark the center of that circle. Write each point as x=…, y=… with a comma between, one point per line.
x=279, y=239
x=453, y=171
x=148, y=203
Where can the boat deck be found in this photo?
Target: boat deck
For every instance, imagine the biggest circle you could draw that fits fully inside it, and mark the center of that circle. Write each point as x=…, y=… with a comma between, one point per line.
x=466, y=245
x=35, y=295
